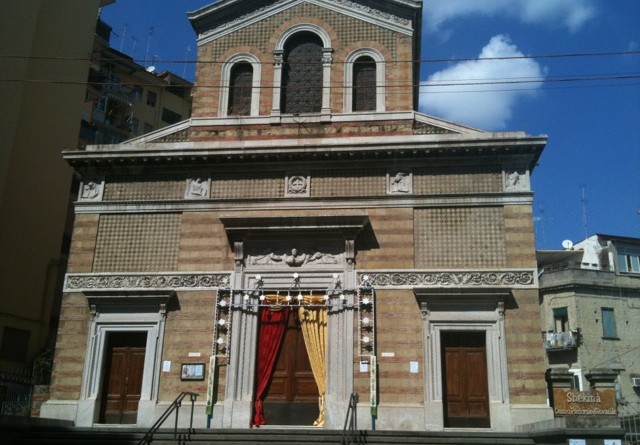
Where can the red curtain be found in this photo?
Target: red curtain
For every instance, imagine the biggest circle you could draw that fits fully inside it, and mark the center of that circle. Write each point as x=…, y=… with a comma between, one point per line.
x=272, y=325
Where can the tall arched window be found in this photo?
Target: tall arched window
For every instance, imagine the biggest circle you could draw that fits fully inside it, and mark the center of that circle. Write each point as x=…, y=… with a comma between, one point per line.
x=240, y=89
x=302, y=74
x=364, y=81
x=364, y=84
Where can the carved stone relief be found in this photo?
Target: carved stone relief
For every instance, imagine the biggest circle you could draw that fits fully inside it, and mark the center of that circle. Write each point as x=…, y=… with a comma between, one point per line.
x=294, y=257
x=400, y=182
x=198, y=188
x=516, y=181
x=297, y=185
x=91, y=190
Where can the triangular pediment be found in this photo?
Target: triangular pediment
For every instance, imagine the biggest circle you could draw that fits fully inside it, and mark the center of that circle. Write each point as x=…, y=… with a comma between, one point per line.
x=426, y=124
x=227, y=16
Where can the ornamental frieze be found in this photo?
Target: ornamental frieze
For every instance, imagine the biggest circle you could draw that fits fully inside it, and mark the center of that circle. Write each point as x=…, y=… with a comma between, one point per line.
x=523, y=278
x=106, y=282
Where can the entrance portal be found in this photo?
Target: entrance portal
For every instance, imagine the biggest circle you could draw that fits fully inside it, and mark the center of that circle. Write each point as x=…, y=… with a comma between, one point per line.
x=465, y=385
x=123, y=373
x=292, y=395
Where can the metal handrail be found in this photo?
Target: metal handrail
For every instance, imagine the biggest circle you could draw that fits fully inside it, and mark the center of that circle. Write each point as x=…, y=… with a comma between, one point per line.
x=350, y=421
x=175, y=406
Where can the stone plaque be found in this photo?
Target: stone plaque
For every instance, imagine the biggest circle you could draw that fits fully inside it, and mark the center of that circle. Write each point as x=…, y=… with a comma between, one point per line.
x=584, y=403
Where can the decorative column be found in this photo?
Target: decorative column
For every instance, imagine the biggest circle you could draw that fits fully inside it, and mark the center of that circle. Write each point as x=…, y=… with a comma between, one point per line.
x=340, y=348
x=327, y=62
x=278, y=59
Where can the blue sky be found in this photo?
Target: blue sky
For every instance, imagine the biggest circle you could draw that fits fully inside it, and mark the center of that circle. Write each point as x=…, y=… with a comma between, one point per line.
x=590, y=170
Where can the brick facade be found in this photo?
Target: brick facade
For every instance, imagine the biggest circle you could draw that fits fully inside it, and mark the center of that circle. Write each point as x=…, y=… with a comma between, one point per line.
x=420, y=203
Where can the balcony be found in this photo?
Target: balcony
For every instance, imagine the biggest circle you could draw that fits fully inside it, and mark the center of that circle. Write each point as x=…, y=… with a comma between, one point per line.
x=558, y=341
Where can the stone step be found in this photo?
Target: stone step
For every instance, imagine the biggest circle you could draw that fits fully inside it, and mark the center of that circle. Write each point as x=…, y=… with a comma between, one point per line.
x=128, y=436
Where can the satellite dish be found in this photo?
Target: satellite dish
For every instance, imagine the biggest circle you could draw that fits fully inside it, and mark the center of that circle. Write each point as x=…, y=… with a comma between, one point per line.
x=151, y=69
x=567, y=244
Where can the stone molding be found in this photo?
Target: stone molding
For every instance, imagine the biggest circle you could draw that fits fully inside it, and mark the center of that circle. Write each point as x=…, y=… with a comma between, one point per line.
x=352, y=9
x=450, y=279
x=145, y=281
x=389, y=201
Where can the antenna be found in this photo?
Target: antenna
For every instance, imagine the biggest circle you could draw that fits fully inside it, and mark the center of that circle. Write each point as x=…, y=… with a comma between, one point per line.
x=133, y=45
x=146, y=55
x=584, y=210
x=124, y=34
x=187, y=51
x=541, y=219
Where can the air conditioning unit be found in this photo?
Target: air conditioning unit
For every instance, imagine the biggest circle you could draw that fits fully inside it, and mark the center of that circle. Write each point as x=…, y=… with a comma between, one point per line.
x=636, y=382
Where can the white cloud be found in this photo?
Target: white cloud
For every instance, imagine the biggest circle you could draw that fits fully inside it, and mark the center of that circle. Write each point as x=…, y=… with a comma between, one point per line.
x=493, y=107
x=570, y=13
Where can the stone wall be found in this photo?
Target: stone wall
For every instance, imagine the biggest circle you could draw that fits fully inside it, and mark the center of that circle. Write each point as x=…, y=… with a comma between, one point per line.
x=188, y=329
x=71, y=348
x=346, y=34
x=525, y=354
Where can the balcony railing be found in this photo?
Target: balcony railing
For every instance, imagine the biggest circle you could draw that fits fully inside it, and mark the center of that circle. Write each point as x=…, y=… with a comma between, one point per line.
x=554, y=341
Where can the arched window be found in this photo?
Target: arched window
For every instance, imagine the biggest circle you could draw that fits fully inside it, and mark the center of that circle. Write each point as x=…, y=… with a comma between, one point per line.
x=240, y=86
x=364, y=81
x=302, y=76
x=240, y=89
x=364, y=84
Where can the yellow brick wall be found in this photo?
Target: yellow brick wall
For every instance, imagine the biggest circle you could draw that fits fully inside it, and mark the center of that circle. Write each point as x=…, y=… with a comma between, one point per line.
x=519, y=236
x=83, y=243
x=399, y=331
x=525, y=354
x=392, y=244
x=71, y=348
x=189, y=328
x=203, y=243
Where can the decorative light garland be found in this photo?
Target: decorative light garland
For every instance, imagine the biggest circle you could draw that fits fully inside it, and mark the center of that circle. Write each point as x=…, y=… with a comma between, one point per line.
x=334, y=298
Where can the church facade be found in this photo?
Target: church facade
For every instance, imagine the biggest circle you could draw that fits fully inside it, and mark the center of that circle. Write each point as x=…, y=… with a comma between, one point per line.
x=306, y=235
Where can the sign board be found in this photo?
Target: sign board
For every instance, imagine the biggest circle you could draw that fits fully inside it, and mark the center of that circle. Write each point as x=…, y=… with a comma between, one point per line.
x=584, y=403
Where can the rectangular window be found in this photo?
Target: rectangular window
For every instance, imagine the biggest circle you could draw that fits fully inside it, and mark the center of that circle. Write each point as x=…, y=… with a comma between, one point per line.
x=15, y=343
x=628, y=259
x=609, y=323
x=151, y=98
x=170, y=117
x=561, y=319
x=135, y=125
x=148, y=128
x=137, y=93
x=114, y=81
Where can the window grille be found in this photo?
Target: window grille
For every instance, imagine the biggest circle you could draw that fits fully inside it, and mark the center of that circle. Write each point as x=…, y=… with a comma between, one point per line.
x=364, y=84
x=240, y=88
x=302, y=74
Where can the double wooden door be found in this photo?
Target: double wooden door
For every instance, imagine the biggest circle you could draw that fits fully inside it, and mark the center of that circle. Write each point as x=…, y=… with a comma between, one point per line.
x=123, y=374
x=292, y=395
x=466, y=394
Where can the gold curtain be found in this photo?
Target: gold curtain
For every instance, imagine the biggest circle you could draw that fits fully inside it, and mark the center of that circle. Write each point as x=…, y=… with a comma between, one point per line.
x=314, y=330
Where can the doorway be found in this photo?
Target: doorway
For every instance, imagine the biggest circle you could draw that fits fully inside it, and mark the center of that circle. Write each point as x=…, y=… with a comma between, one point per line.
x=292, y=395
x=465, y=383
x=123, y=372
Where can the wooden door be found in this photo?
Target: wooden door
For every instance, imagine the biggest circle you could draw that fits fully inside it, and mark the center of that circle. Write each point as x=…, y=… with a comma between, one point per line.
x=123, y=377
x=292, y=395
x=466, y=393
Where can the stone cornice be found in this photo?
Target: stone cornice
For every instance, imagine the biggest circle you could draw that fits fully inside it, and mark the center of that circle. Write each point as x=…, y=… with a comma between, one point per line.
x=451, y=279
x=388, y=279
x=394, y=201
x=350, y=8
x=86, y=282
